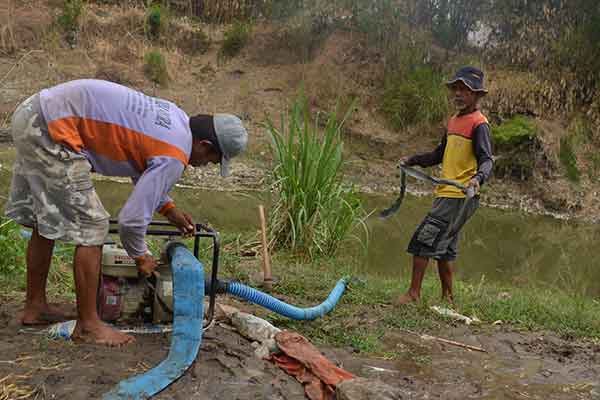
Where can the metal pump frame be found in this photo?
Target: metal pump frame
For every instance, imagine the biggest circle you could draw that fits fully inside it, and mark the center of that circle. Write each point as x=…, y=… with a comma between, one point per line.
x=201, y=231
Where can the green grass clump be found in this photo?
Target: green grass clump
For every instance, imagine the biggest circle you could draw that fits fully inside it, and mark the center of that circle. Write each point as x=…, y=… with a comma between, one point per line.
x=514, y=141
x=514, y=132
x=155, y=67
x=13, y=265
x=314, y=210
x=235, y=39
x=156, y=21
x=12, y=248
x=69, y=17
x=416, y=97
x=568, y=159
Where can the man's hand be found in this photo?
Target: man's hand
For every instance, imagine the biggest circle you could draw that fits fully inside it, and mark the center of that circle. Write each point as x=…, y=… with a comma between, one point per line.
x=407, y=161
x=145, y=264
x=474, y=183
x=182, y=221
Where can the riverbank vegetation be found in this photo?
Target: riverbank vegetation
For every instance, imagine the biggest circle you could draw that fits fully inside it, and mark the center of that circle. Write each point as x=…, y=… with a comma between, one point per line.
x=365, y=313
x=391, y=57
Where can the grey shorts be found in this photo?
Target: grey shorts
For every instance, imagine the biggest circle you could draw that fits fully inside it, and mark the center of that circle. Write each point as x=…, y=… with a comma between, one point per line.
x=431, y=239
x=52, y=187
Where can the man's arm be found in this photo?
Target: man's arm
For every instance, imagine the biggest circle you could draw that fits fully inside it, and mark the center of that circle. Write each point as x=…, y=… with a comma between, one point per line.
x=164, y=205
x=150, y=189
x=482, y=146
x=429, y=159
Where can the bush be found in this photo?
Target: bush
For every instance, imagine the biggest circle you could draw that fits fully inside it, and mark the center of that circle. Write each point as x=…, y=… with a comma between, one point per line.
x=69, y=18
x=314, y=210
x=514, y=142
x=155, y=67
x=420, y=96
x=156, y=21
x=235, y=39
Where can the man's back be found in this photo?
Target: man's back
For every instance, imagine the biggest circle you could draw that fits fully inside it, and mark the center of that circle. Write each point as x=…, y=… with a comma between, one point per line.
x=117, y=128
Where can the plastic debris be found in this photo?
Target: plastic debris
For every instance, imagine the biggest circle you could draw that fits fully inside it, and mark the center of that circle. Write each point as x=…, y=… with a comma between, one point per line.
x=454, y=315
x=253, y=327
x=64, y=330
x=61, y=330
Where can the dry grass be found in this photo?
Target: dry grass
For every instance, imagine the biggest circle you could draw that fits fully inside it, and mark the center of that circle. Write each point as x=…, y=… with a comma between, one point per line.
x=519, y=92
x=188, y=36
x=114, y=22
x=115, y=72
x=327, y=78
x=325, y=87
x=225, y=11
x=7, y=35
x=22, y=25
x=12, y=389
x=117, y=62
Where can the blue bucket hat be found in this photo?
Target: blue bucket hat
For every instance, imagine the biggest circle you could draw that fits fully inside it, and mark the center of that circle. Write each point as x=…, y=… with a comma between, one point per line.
x=472, y=77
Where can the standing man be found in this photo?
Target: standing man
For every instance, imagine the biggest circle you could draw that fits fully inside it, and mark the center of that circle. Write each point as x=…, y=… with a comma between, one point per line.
x=466, y=156
x=64, y=133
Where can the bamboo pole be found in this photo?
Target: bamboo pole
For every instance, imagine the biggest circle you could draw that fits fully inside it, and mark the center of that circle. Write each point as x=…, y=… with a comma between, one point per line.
x=446, y=341
x=267, y=278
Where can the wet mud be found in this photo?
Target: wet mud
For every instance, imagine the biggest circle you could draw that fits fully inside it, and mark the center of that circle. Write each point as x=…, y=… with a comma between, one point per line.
x=516, y=366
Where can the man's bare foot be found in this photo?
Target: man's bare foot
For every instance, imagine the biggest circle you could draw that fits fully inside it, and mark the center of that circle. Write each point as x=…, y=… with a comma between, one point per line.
x=44, y=315
x=405, y=299
x=99, y=333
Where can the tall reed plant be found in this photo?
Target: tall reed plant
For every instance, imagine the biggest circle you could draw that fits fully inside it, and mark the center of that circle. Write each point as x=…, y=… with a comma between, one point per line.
x=314, y=209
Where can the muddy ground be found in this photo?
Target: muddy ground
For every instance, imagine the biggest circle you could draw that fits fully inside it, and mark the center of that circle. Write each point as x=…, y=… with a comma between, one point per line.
x=516, y=366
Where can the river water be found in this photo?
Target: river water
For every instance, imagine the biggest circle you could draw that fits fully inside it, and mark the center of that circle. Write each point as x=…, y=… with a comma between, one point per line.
x=503, y=246
x=509, y=247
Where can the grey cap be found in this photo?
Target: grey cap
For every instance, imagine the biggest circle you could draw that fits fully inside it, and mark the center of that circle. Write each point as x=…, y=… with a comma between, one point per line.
x=232, y=138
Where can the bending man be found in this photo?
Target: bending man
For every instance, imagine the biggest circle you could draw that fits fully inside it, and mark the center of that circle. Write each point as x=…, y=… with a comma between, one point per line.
x=64, y=133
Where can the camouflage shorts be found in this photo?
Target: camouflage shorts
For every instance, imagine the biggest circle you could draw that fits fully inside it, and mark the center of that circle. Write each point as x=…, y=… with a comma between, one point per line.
x=431, y=239
x=52, y=186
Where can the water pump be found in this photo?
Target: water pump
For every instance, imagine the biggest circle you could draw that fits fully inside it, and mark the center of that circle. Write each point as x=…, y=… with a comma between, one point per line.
x=124, y=296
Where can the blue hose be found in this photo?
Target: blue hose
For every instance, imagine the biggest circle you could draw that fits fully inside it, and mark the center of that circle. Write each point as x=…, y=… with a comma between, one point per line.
x=278, y=306
x=188, y=291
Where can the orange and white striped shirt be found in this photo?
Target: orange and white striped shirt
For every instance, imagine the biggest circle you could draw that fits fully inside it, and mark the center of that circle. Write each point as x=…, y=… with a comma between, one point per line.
x=123, y=132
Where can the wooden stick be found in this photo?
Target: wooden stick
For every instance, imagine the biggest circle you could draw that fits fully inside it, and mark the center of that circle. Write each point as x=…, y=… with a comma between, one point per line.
x=447, y=341
x=268, y=279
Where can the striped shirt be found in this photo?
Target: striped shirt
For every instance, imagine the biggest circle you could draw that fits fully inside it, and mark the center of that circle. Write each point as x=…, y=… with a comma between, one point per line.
x=465, y=152
x=123, y=132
